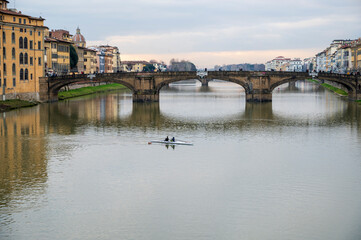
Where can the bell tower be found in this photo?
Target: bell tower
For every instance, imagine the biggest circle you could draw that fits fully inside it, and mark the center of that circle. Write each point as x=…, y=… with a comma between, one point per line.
x=4, y=4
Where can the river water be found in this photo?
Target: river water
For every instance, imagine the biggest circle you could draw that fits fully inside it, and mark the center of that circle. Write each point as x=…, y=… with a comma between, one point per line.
x=83, y=169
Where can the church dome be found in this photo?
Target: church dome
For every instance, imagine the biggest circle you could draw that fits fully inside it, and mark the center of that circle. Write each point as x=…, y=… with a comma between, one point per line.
x=79, y=39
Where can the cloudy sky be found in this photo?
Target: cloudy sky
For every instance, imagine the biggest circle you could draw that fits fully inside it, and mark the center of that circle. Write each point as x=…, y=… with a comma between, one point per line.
x=207, y=32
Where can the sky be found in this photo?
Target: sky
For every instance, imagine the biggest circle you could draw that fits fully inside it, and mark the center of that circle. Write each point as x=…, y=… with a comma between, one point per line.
x=206, y=32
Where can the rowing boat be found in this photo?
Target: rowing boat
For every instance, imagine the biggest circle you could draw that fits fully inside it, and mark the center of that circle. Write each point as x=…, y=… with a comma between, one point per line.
x=171, y=143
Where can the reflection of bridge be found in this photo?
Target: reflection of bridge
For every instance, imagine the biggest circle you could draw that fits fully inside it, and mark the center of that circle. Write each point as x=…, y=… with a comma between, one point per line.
x=146, y=86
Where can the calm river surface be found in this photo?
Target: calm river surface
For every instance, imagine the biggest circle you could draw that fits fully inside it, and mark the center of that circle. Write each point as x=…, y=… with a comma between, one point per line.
x=82, y=169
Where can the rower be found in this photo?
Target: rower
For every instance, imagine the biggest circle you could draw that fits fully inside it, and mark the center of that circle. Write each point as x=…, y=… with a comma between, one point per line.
x=173, y=139
x=166, y=139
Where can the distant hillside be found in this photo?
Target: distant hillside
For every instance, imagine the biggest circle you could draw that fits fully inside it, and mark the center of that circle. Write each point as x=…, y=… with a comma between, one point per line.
x=238, y=67
x=180, y=66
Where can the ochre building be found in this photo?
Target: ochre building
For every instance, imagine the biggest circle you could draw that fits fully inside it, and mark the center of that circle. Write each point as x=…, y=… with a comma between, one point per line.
x=21, y=54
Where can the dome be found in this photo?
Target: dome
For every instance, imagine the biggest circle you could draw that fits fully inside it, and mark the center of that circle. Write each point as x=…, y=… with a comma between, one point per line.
x=79, y=39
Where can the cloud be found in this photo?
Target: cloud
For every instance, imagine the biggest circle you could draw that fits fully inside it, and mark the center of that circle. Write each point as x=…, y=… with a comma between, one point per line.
x=162, y=27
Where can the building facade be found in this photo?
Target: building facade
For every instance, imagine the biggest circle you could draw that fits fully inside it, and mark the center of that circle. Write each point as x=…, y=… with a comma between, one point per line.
x=356, y=55
x=277, y=63
x=21, y=54
x=133, y=66
x=57, y=57
x=90, y=61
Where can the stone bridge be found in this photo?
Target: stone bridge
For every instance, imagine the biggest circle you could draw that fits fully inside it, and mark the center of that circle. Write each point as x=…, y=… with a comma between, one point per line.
x=146, y=86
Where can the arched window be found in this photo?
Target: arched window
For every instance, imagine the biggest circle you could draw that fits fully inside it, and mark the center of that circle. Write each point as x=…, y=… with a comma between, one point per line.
x=26, y=59
x=13, y=38
x=21, y=58
x=13, y=53
x=26, y=43
x=21, y=74
x=21, y=43
x=26, y=74
x=14, y=69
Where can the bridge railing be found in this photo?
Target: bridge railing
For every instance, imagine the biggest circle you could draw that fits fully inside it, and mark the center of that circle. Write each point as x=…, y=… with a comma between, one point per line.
x=97, y=75
x=258, y=73
x=336, y=75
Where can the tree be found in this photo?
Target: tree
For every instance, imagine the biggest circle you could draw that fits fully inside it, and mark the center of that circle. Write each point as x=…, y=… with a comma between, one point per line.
x=149, y=68
x=73, y=57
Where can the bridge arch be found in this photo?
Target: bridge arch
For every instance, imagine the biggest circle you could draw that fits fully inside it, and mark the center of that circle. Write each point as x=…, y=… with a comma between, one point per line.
x=285, y=80
x=55, y=88
x=244, y=84
x=164, y=83
x=351, y=88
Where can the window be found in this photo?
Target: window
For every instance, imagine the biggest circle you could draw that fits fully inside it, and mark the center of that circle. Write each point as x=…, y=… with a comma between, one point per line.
x=26, y=74
x=31, y=76
x=39, y=61
x=31, y=61
x=4, y=37
x=25, y=43
x=14, y=82
x=4, y=81
x=14, y=69
x=26, y=58
x=31, y=32
x=39, y=45
x=4, y=72
x=20, y=20
x=21, y=30
x=24, y=21
x=21, y=43
x=13, y=53
x=21, y=58
x=39, y=33
x=31, y=44
x=13, y=38
x=21, y=74
x=4, y=52
x=14, y=19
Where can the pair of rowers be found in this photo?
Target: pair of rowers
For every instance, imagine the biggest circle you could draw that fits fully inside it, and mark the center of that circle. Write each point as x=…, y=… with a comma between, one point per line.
x=167, y=139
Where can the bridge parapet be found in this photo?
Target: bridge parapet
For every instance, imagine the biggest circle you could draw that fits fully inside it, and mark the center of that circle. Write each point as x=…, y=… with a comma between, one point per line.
x=145, y=86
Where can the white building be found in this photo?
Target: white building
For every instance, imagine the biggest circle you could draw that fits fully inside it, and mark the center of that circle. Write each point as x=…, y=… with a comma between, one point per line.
x=321, y=61
x=295, y=65
x=277, y=63
x=309, y=64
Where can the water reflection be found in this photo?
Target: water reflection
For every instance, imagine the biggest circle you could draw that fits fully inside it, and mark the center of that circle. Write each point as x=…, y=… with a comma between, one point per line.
x=23, y=160
x=37, y=142
x=208, y=110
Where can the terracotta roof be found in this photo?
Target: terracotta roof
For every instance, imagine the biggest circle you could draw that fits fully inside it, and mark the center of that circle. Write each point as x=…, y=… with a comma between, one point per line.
x=19, y=14
x=49, y=39
x=90, y=50
x=78, y=37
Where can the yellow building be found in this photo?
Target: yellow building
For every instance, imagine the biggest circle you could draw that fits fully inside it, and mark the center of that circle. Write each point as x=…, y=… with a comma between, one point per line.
x=57, y=57
x=356, y=55
x=21, y=54
x=90, y=61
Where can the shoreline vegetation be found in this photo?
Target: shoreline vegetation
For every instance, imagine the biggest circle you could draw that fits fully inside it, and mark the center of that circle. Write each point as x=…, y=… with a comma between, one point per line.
x=89, y=90
x=331, y=88
x=9, y=105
